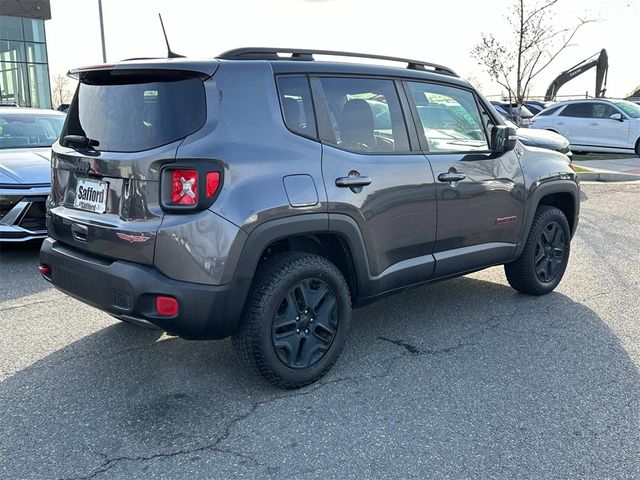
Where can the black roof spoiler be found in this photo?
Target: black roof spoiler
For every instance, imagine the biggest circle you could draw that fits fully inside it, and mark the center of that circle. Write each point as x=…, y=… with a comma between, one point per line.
x=259, y=53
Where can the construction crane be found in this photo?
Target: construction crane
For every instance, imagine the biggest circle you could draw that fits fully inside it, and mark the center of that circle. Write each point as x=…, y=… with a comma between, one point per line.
x=598, y=60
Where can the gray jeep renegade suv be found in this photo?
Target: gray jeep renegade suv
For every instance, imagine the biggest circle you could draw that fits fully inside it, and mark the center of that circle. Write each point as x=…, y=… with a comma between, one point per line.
x=261, y=196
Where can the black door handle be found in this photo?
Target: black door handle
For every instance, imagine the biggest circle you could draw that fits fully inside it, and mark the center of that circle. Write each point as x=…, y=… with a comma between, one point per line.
x=352, y=181
x=452, y=176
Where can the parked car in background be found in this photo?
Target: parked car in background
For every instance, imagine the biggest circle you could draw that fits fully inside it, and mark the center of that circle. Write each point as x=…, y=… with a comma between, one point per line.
x=536, y=106
x=536, y=137
x=510, y=111
x=634, y=100
x=597, y=125
x=26, y=135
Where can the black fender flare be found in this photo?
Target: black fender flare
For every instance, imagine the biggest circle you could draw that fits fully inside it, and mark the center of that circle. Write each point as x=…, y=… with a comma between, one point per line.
x=278, y=229
x=537, y=192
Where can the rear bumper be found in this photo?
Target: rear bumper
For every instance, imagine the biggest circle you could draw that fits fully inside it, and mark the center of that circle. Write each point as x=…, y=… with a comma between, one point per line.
x=127, y=290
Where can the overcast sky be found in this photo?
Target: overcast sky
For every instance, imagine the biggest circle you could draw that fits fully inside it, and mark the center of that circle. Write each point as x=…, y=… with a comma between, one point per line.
x=438, y=31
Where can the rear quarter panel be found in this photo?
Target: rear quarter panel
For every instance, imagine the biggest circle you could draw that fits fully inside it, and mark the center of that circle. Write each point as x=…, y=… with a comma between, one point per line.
x=248, y=136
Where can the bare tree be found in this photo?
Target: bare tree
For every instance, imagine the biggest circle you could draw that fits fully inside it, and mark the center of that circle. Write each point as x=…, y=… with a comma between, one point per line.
x=473, y=80
x=534, y=45
x=60, y=90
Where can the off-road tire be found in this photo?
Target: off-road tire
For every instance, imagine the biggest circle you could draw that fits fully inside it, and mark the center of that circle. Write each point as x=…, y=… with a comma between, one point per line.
x=253, y=341
x=522, y=274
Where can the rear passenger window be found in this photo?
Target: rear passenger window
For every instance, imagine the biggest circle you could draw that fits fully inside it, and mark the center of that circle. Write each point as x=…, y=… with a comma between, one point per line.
x=450, y=118
x=577, y=110
x=365, y=115
x=297, y=107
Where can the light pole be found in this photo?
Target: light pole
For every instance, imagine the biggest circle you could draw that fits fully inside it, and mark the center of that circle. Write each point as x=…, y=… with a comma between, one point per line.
x=104, y=50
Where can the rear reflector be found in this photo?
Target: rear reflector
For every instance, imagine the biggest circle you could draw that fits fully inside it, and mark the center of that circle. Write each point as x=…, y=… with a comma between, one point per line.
x=44, y=269
x=184, y=187
x=213, y=181
x=166, y=306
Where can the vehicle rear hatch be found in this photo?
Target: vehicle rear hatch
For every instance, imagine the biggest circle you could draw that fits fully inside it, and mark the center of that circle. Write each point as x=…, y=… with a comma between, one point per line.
x=125, y=122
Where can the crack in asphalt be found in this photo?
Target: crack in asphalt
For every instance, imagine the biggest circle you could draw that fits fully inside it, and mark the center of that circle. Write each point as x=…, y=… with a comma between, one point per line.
x=388, y=364
x=25, y=305
x=214, y=446
x=110, y=463
x=413, y=350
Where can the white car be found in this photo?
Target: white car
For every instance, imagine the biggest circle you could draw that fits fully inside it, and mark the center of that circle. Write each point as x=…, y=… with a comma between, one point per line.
x=598, y=125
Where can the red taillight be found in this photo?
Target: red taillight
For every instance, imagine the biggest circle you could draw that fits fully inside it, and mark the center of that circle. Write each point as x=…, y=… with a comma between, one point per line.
x=166, y=306
x=184, y=187
x=44, y=269
x=213, y=182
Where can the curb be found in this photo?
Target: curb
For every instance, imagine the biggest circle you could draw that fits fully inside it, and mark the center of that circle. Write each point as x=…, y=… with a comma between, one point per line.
x=608, y=177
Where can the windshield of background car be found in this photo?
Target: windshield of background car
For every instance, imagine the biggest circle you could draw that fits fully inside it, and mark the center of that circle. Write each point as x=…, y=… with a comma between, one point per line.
x=631, y=109
x=136, y=113
x=22, y=130
x=524, y=112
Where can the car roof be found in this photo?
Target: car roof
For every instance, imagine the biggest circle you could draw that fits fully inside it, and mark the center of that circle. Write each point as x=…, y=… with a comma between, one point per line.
x=284, y=65
x=29, y=111
x=582, y=100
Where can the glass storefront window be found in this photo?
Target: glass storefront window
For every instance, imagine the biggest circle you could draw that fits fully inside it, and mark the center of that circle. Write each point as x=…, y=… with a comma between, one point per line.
x=39, y=86
x=11, y=28
x=36, y=52
x=13, y=84
x=24, y=75
x=33, y=30
x=11, y=51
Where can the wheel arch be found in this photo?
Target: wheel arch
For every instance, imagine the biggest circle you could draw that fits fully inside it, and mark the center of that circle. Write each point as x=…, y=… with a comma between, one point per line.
x=563, y=194
x=337, y=239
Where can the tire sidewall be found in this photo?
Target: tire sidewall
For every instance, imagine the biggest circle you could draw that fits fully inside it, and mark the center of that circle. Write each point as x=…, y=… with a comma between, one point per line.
x=333, y=279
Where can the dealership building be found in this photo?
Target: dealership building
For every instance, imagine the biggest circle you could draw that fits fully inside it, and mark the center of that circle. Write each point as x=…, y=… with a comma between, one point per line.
x=24, y=68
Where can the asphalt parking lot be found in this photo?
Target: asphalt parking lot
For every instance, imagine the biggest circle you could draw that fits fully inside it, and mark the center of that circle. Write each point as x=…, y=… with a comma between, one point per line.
x=461, y=379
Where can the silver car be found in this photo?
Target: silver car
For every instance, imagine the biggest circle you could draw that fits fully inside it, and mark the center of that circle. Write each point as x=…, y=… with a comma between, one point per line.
x=26, y=136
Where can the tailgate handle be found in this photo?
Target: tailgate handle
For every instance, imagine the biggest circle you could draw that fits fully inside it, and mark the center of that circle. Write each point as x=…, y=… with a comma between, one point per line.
x=79, y=232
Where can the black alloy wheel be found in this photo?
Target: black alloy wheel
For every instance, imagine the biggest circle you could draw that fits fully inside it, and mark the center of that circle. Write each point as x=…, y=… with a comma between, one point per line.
x=549, y=252
x=541, y=265
x=305, y=323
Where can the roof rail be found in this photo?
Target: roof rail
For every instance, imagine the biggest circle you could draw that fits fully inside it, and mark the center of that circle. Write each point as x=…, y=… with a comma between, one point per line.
x=260, y=53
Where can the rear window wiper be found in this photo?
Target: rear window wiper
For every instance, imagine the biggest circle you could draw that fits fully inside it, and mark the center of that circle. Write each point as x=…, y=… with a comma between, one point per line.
x=79, y=140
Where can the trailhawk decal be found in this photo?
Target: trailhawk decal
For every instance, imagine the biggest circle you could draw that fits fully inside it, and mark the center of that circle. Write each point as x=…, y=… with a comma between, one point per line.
x=132, y=238
x=504, y=220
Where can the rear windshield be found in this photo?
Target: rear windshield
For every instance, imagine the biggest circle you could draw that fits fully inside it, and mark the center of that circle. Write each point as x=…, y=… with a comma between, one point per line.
x=135, y=113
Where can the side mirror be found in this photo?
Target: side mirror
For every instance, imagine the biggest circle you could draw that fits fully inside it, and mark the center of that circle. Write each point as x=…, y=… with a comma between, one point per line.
x=617, y=116
x=503, y=139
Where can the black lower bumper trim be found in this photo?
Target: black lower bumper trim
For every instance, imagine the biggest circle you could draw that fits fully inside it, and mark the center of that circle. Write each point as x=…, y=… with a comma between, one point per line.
x=128, y=290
